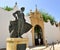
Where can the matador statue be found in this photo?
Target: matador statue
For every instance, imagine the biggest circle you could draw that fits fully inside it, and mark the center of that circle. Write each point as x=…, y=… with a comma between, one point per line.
x=19, y=26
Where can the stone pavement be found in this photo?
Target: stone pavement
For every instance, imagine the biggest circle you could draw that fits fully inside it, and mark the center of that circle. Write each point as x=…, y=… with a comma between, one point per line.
x=3, y=49
x=56, y=47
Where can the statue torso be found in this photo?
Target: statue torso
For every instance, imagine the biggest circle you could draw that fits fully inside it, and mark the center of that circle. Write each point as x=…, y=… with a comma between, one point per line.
x=20, y=16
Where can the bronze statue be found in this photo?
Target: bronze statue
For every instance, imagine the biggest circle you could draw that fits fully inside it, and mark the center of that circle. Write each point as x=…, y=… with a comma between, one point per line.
x=19, y=26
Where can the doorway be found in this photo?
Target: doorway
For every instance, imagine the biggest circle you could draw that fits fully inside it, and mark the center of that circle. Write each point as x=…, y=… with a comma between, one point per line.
x=38, y=35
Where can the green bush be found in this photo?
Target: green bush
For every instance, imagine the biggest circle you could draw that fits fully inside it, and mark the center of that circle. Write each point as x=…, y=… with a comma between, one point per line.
x=8, y=8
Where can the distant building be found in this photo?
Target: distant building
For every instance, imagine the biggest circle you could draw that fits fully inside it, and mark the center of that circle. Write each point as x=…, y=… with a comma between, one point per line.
x=41, y=31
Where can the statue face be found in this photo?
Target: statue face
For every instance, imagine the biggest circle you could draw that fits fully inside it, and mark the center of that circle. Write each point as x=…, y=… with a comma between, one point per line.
x=22, y=9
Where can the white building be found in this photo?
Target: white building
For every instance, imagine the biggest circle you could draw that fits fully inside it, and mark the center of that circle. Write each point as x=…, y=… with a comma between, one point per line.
x=51, y=33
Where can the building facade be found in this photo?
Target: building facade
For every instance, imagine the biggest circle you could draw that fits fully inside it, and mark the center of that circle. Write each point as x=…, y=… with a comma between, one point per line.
x=39, y=33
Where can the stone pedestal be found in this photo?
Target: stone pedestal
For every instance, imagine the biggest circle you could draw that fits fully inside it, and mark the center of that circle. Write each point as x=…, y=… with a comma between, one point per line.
x=12, y=43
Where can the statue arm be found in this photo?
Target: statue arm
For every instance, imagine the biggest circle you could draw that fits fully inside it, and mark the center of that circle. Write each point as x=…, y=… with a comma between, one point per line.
x=14, y=14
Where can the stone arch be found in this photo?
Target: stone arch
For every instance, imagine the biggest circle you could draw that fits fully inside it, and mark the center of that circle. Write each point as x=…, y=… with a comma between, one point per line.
x=36, y=19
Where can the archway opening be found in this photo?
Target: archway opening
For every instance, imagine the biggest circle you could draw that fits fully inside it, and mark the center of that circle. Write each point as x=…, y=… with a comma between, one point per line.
x=38, y=35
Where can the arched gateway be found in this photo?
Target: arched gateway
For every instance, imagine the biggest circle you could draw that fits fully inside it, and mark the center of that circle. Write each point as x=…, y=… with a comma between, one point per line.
x=37, y=23
x=38, y=35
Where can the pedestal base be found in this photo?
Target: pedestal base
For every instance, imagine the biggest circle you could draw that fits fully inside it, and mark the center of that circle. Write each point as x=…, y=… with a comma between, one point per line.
x=17, y=43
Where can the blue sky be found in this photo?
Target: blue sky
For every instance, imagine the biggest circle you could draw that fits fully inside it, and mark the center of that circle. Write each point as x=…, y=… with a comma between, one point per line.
x=50, y=6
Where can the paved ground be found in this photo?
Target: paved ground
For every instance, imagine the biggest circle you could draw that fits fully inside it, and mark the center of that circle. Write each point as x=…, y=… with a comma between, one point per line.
x=3, y=49
x=56, y=47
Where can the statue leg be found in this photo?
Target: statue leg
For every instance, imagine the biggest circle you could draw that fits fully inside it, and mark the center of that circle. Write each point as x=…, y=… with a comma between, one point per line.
x=20, y=23
x=22, y=28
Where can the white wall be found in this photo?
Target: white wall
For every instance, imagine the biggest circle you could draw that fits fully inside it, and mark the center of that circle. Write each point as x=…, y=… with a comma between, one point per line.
x=51, y=32
x=29, y=36
x=5, y=18
x=4, y=23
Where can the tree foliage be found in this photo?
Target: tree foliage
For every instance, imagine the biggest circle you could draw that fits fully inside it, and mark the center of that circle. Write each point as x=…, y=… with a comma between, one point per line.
x=8, y=8
x=47, y=17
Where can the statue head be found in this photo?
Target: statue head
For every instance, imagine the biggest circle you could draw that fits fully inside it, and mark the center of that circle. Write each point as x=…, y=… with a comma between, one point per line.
x=22, y=9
